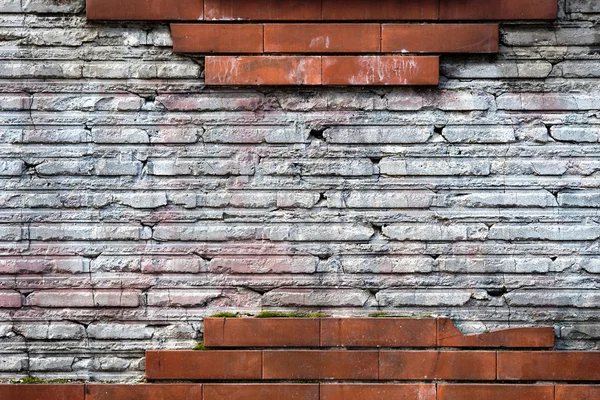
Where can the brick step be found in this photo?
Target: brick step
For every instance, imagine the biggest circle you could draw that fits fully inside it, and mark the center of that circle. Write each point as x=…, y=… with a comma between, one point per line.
x=325, y=10
x=310, y=38
x=363, y=332
x=373, y=365
x=324, y=391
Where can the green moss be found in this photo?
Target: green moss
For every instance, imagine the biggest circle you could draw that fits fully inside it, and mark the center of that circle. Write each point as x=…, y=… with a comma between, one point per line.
x=200, y=347
x=386, y=315
x=225, y=315
x=279, y=314
x=34, y=380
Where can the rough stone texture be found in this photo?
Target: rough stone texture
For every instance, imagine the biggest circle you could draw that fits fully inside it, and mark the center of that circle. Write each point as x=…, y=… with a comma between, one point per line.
x=135, y=201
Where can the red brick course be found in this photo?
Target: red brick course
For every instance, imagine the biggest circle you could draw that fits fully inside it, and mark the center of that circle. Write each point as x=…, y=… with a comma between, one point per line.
x=42, y=392
x=217, y=38
x=143, y=392
x=191, y=10
x=494, y=392
x=261, y=392
x=577, y=392
x=549, y=366
x=378, y=391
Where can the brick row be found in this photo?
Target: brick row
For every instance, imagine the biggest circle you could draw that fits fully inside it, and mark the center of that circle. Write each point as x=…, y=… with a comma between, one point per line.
x=373, y=365
x=325, y=10
x=326, y=70
x=333, y=391
x=335, y=38
x=363, y=332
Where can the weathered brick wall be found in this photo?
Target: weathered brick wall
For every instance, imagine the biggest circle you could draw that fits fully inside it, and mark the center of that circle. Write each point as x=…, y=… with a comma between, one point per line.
x=135, y=201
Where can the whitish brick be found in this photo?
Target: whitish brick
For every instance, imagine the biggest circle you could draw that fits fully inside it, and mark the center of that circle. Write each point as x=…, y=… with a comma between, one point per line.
x=33, y=265
x=119, y=331
x=581, y=198
x=51, y=330
x=65, y=167
x=423, y=298
x=10, y=6
x=182, y=297
x=10, y=299
x=583, y=6
x=51, y=364
x=74, y=135
x=588, y=264
x=318, y=167
x=56, y=102
x=13, y=362
x=242, y=198
x=377, y=135
x=580, y=331
x=554, y=232
x=255, y=134
x=116, y=364
x=83, y=298
x=264, y=264
x=495, y=264
x=85, y=232
x=434, y=166
x=316, y=298
x=213, y=166
x=548, y=101
x=297, y=199
x=204, y=232
x=492, y=198
x=436, y=232
x=15, y=102
x=120, y=135
x=320, y=232
x=553, y=298
x=174, y=135
x=380, y=199
x=116, y=264
x=143, y=200
x=11, y=167
x=183, y=265
x=10, y=233
x=479, y=134
x=211, y=101
x=575, y=134
x=378, y=264
x=498, y=69
x=51, y=7
x=117, y=167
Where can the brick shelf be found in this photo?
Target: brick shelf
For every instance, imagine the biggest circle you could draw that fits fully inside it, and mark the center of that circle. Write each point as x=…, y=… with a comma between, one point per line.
x=371, y=47
x=351, y=359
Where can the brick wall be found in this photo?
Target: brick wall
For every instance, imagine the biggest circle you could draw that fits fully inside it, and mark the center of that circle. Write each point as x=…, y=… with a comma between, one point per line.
x=136, y=201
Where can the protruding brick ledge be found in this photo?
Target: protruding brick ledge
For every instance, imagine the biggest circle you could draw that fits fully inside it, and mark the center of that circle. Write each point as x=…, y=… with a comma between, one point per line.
x=351, y=359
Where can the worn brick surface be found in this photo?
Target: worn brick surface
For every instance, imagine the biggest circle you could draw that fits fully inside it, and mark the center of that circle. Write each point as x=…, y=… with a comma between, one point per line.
x=217, y=38
x=262, y=10
x=443, y=365
x=250, y=332
x=207, y=365
x=495, y=392
x=144, y=9
x=549, y=366
x=378, y=391
x=261, y=392
x=317, y=364
x=380, y=332
x=41, y=392
x=143, y=392
x=450, y=336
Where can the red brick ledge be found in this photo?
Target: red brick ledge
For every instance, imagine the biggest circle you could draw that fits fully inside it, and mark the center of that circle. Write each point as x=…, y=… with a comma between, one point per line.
x=324, y=391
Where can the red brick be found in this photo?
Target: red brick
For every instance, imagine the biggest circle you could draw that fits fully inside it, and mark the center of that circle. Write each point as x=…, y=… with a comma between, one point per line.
x=380, y=70
x=217, y=38
x=440, y=38
x=42, y=392
x=450, y=336
x=143, y=392
x=263, y=70
x=255, y=332
x=554, y=366
x=203, y=364
x=314, y=364
x=577, y=392
x=145, y=10
x=427, y=365
x=381, y=10
x=261, y=392
x=498, y=9
x=263, y=10
x=378, y=391
x=322, y=38
x=378, y=332
x=495, y=392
